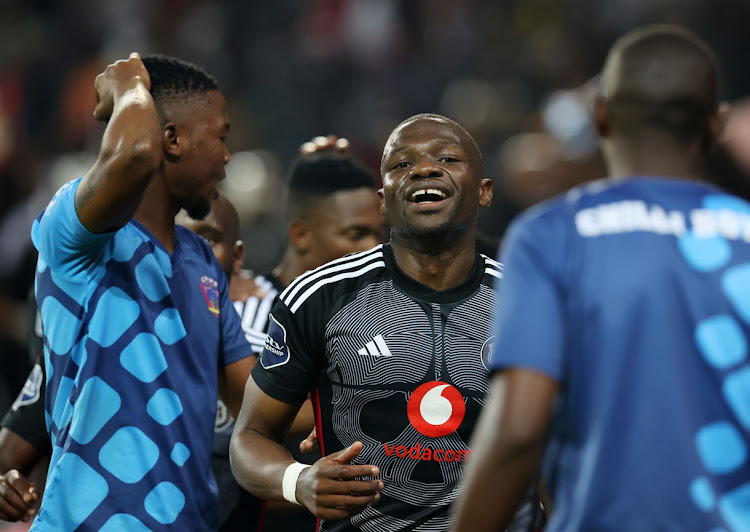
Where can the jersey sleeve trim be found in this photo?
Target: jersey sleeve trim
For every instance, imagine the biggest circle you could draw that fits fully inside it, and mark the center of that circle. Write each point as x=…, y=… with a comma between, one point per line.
x=306, y=285
x=335, y=278
x=492, y=267
x=342, y=263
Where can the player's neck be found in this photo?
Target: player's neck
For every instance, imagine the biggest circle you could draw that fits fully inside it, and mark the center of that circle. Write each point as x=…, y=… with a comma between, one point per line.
x=631, y=160
x=288, y=268
x=156, y=213
x=439, y=267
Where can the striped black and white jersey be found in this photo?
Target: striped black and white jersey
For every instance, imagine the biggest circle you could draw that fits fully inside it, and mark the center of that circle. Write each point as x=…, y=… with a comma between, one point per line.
x=391, y=363
x=255, y=309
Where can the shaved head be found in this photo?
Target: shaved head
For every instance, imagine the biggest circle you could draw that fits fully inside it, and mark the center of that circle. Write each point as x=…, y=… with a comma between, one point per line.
x=661, y=77
x=227, y=217
x=221, y=228
x=468, y=140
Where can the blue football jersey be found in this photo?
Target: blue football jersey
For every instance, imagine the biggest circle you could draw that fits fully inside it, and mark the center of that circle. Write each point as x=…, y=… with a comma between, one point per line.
x=635, y=296
x=133, y=338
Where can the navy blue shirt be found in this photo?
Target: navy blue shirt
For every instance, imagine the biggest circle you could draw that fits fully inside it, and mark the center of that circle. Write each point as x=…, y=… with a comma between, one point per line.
x=133, y=337
x=635, y=296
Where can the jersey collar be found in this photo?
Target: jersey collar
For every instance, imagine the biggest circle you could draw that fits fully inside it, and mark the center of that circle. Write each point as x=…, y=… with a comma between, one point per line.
x=420, y=291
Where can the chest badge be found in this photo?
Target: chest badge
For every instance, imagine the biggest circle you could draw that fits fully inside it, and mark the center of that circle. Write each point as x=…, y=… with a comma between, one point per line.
x=210, y=289
x=488, y=348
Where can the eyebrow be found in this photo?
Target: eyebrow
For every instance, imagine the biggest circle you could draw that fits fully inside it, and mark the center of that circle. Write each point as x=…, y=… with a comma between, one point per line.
x=204, y=227
x=443, y=143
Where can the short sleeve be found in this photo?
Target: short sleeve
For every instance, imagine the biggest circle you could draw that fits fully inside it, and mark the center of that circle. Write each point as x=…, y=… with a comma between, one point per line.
x=26, y=415
x=60, y=237
x=287, y=367
x=529, y=319
x=234, y=344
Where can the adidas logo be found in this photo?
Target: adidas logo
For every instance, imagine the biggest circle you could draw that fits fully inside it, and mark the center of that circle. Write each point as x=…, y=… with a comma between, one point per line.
x=376, y=348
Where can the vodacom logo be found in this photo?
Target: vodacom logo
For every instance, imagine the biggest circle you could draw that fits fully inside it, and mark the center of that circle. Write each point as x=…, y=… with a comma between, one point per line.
x=436, y=408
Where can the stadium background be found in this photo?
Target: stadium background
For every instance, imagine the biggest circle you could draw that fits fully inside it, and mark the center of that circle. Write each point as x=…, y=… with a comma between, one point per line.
x=516, y=73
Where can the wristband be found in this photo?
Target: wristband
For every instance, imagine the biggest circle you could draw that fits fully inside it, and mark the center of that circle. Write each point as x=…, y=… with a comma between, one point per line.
x=289, y=482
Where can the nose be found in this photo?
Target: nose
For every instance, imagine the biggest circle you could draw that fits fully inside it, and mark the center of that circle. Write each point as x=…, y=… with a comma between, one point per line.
x=426, y=167
x=227, y=155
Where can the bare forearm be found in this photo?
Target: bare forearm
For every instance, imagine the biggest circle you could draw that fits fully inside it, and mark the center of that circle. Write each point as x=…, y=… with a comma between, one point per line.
x=17, y=453
x=508, y=443
x=130, y=153
x=304, y=422
x=133, y=135
x=232, y=383
x=499, y=479
x=258, y=463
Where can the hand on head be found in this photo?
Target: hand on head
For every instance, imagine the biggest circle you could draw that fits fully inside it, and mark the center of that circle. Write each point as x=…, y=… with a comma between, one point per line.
x=329, y=143
x=115, y=76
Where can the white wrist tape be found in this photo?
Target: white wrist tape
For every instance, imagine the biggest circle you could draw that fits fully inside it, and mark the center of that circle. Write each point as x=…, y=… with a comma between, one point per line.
x=289, y=482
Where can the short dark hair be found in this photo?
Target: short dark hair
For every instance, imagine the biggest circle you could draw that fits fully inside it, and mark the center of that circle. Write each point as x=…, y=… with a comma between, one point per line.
x=668, y=80
x=314, y=177
x=174, y=80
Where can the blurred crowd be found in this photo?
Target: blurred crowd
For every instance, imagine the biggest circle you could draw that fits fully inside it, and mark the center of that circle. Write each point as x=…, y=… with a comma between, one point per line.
x=516, y=73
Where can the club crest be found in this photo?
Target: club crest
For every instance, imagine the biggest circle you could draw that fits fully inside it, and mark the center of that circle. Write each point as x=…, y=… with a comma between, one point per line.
x=210, y=289
x=488, y=349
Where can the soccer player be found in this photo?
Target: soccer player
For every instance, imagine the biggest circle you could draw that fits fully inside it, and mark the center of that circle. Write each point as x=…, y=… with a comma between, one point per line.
x=24, y=440
x=392, y=342
x=332, y=210
x=332, y=199
x=622, y=339
x=238, y=509
x=135, y=311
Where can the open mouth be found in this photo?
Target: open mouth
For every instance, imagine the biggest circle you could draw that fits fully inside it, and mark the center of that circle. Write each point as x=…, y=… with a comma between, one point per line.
x=427, y=195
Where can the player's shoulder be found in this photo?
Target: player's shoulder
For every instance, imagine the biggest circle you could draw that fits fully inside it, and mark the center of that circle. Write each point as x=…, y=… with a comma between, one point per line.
x=66, y=193
x=345, y=273
x=557, y=213
x=192, y=243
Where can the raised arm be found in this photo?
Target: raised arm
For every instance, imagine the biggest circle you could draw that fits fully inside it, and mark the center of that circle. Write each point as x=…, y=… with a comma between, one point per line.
x=130, y=152
x=329, y=489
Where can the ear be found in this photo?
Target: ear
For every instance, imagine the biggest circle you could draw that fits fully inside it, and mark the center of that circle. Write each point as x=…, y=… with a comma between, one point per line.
x=299, y=235
x=170, y=140
x=238, y=257
x=382, y=201
x=600, y=116
x=718, y=122
x=485, y=192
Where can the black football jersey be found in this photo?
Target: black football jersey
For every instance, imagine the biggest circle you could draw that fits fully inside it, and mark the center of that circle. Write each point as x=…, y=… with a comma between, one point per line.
x=391, y=363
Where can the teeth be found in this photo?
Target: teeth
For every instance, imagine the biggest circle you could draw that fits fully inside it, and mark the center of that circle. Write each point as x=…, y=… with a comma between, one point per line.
x=434, y=191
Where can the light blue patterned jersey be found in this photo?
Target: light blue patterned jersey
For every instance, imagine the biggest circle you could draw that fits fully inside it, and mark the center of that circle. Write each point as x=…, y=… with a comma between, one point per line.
x=635, y=296
x=133, y=338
